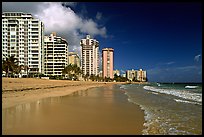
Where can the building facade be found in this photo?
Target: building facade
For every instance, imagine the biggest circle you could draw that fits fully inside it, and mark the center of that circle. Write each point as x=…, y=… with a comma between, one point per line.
x=131, y=74
x=73, y=58
x=141, y=75
x=107, y=62
x=22, y=37
x=89, y=56
x=56, y=54
x=136, y=75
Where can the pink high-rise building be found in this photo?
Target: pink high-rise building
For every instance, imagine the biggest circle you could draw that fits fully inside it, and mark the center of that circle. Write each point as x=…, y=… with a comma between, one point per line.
x=107, y=62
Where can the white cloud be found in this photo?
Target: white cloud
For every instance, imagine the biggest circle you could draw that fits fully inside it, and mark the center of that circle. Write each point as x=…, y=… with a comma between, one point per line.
x=169, y=63
x=98, y=15
x=196, y=58
x=89, y=26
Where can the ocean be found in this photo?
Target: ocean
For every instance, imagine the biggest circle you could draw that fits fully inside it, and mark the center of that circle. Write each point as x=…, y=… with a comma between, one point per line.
x=170, y=109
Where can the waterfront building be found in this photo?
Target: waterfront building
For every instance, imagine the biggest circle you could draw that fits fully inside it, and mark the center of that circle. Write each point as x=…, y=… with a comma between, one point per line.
x=73, y=58
x=56, y=54
x=107, y=62
x=131, y=74
x=22, y=37
x=89, y=56
x=117, y=72
x=141, y=75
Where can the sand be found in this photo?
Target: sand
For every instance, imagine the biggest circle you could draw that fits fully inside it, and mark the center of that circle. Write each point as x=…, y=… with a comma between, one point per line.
x=36, y=106
x=17, y=91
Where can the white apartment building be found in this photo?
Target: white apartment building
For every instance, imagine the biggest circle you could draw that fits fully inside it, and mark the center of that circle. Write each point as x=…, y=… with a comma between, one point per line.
x=131, y=74
x=22, y=37
x=56, y=54
x=141, y=75
x=90, y=56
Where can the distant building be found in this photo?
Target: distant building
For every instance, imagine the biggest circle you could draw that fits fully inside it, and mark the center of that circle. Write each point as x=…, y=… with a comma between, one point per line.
x=131, y=74
x=22, y=37
x=107, y=62
x=56, y=54
x=89, y=56
x=136, y=75
x=117, y=72
x=141, y=75
x=123, y=75
x=73, y=58
x=100, y=73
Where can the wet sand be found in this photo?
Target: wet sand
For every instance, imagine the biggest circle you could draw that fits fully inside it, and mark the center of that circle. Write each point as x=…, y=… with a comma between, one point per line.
x=99, y=111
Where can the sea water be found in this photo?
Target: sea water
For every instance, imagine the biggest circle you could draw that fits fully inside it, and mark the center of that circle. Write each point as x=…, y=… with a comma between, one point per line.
x=170, y=109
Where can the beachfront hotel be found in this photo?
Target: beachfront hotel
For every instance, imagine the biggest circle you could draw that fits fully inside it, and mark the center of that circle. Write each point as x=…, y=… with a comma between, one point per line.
x=141, y=75
x=56, y=54
x=73, y=58
x=138, y=75
x=89, y=56
x=22, y=37
x=131, y=74
x=107, y=62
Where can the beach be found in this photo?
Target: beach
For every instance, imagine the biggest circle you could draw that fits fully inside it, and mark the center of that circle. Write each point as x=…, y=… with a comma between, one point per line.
x=21, y=90
x=67, y=107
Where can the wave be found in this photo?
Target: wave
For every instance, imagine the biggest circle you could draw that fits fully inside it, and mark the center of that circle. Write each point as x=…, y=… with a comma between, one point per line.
x=191, y=86
x=179, y=93
x=123, y=87
x=185, y=101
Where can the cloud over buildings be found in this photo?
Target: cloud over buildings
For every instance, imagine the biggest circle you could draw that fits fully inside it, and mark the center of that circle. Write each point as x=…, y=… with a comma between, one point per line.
x=59, y=17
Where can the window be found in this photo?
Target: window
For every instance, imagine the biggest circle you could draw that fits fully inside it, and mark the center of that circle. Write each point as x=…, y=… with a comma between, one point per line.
x=12, y=36
x=12, y=29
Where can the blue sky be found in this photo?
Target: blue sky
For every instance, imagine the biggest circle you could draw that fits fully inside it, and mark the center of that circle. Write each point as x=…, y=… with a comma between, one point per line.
x=164, y=39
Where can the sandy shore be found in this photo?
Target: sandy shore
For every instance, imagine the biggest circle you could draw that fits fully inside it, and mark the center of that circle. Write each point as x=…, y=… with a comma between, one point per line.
x=88, y=112
x=17, y=91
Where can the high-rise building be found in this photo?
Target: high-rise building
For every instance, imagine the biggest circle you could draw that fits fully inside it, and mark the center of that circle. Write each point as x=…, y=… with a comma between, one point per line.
x=73, y=58
x=89, y=56
x=107, y=61
x=56, y=54
x=22, y=37
x=141, y=75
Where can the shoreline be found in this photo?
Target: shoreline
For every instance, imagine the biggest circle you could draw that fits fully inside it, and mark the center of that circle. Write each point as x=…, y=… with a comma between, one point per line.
x=20, y=91
x=16, y=91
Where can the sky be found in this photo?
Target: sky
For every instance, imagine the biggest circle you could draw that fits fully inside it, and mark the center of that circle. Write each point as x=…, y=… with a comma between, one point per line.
x=165, y=39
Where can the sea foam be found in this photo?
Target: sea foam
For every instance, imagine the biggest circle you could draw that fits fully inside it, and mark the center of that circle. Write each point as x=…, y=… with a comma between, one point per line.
x=179, y=93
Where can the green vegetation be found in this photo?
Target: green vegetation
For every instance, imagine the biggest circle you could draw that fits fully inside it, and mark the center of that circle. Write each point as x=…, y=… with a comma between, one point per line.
x=71, y=72
x=10, y=66
x=119, y=78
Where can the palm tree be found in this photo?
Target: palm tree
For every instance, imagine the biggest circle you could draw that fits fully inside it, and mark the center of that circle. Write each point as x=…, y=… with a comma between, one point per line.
x=71, y=70
x=10, y=65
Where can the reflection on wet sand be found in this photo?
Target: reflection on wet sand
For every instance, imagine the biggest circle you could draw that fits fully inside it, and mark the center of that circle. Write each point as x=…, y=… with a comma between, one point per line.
x=95, y=111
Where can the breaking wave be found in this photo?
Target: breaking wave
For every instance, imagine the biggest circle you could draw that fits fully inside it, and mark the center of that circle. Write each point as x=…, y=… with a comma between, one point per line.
x=179, y=93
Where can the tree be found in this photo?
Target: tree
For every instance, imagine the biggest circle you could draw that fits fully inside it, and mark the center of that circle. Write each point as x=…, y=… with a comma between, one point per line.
x=72, y=71
x=10, y=65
